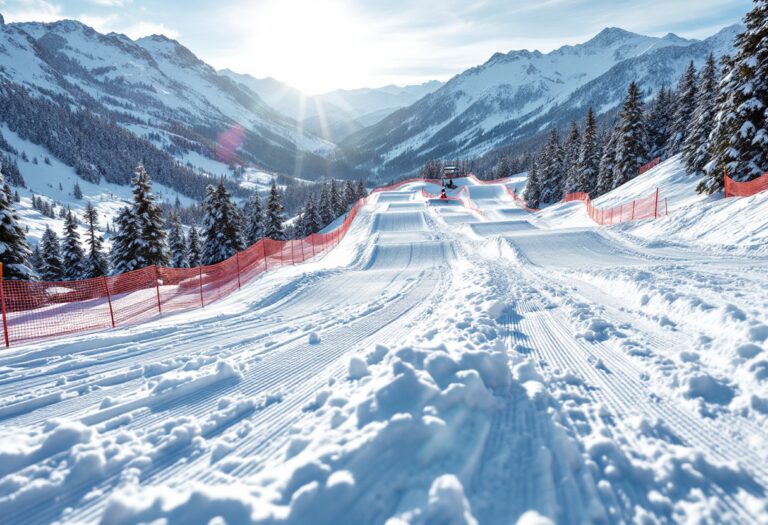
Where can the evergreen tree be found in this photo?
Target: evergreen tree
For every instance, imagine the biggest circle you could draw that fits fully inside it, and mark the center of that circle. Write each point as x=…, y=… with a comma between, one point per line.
x=50, y=251
x=696, y=147
x=350, y=194
x=720, y=152
x=221, y=224
x=77, y=192
x=607, y=164
x=300, y=224
x=313, y=222
x=36, y=260
x=571, y=149
x=685, y=106
x=125, y=243
x=71, y=250
x=532, y=186
x=96, y=262
x=177, y=243
x=325, y=207
x=503, y=168
x=14, y=250
x=361, y=191
x=750, y=142
x=632, y=146
x=273, y=225
x=659, y=125
x=254, y=220
x=588, y=164
x=550, y=171
x=337, y=201
x=194, y=251
x=152, y=248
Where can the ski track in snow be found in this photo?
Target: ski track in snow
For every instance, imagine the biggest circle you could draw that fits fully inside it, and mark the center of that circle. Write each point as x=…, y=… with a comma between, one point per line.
x=438, y=367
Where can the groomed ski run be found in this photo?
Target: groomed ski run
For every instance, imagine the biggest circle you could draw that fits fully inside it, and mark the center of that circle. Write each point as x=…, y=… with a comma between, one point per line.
x=441, y=365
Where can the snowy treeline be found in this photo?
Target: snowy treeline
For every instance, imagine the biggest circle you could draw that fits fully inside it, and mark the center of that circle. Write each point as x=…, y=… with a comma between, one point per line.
x=715, y=118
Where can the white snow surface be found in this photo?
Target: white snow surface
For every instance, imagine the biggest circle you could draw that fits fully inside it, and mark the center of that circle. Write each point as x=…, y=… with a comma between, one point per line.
x=441, y=366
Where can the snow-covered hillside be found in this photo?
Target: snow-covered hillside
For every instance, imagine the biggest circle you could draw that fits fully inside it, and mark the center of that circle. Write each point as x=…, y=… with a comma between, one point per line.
x=444, y=364
x=156, y=89
x=516, y=95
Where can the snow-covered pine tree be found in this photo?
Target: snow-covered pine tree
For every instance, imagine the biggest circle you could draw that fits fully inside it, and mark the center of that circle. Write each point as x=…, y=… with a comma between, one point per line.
x=125, y=243
x=77, y=192
x=313, y=222
x=571, y=148
x=361, y=191
x=750, y=142
x=36, y=260
x=588, y=164
x=71, y=250
x=50, y=251
x=337, y=200
x=503, y=168
x=194, y=251
x=696, y=146
x=724, y=127
x=177, y=243
x=532, y=187
x=254, y=220
x=152, y=247
x=96, y=264
x=659, y=123
x=685, y=103
x=300, y=224
x=632, y=146
x=550, y=173
x=607, y=164
x=273, y=224
x=350, y=194
x=222, y=235
x=325, y=208
x=14, y=250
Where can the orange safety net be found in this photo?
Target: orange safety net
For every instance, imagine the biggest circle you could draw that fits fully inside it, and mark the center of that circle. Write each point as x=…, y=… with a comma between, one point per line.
x=745, y=189
x=646, y=208
x=35, y=310
x=645, y=167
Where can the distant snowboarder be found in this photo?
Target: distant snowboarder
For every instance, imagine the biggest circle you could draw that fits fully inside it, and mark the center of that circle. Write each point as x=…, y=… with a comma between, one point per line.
x=451, y=185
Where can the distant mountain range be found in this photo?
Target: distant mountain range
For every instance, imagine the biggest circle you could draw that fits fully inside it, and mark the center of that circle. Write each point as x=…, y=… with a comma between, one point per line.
x=517, y=95
x=336, y=114
x=175, y=108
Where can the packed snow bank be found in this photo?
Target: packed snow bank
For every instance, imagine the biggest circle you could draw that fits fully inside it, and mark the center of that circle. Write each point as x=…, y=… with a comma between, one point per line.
x=734, y=224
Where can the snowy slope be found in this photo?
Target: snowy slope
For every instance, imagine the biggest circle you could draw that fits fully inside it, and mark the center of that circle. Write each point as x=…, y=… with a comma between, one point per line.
x=440, y=366
x=157, y=89
x=516, y=95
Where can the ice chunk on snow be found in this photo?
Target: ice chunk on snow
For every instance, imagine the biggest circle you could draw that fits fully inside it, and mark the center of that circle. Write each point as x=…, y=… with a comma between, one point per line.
x=533, y=518
x=314, y=338
x=447, y=503
x=357, y=368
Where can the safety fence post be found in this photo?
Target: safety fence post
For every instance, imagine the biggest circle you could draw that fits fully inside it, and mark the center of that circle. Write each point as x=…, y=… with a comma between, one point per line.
x=109, y=301
x=666, y=205
x=633, y=210
x=293, y=257
x=237, y=262
x=656, y=205
x=264, y=251
x=157, y=289
x=312, y=244
x=200, y=275
x=725, y=179
x=2, y=300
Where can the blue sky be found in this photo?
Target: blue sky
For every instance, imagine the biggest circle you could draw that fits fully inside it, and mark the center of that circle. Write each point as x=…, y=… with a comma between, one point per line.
x=319, y=45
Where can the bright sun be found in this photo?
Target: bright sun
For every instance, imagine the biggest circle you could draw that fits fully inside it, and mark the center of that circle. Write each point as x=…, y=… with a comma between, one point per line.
x=312, y=45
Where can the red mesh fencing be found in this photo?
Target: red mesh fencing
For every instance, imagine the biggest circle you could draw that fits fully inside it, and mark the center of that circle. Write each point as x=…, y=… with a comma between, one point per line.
x=648, y=207
x=645, y=167
x=36, y=310
x=745, y=189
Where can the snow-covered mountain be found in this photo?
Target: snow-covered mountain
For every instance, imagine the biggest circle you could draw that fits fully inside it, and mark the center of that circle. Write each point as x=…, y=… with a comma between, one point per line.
x=336, y=114
x=516, y=95
x=157, y=90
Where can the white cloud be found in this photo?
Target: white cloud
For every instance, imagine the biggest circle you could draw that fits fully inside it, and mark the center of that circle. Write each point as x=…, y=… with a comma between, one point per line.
x=111, y=3
x=141, y=29
x=33, y=11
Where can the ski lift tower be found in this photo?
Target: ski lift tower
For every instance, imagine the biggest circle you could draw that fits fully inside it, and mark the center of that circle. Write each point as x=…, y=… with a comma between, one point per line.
x=449, y=172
